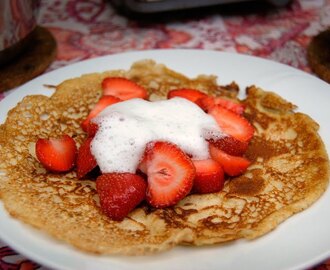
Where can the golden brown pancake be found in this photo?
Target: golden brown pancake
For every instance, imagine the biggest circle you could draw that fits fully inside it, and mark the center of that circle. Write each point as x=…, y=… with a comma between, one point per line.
x=289, y=171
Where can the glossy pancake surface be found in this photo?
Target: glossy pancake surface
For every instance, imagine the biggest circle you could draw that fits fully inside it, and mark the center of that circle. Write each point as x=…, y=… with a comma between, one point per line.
x=289, y=171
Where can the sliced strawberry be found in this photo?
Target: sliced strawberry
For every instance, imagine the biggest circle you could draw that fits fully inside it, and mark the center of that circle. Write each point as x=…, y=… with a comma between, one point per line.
x=120, y=193
x=208, y=102
x=232, y=123
x=230, y=145
x=209, y=176
x=232, y=165
x=85, y=160
x=123, y=88
x=57, y=154
x=190, y=94
x=104, y=102
x=230, y=105
x=170, y=174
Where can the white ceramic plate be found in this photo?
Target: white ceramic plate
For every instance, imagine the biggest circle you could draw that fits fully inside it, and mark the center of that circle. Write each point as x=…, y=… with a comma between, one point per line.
x=301, y=241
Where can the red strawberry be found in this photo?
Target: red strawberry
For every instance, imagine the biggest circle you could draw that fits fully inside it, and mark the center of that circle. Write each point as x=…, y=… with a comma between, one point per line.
x=232, y=123
x=170, y=174
x=92, y=128
x=120, y=193
x=230, y=105
x=104, y=102
x=85, y=160
x=190, y=94
x=123, y=88
x=209, y=176
x=232, y=165
x=230, y=145
x=143, y=164
x=57, y=154
x=207, y=104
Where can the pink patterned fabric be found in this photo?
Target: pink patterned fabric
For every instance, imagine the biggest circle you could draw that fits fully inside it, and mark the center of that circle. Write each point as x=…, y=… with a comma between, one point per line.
x=87, y=29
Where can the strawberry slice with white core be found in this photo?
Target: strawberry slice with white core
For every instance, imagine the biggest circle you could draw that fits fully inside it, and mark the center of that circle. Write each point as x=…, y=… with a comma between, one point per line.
x=57, y=154
x=190, y=94
x=209, y=176
x=103, y=102
x=170, y=174
x=232, y=165
x=232, y=123
x=123, y=88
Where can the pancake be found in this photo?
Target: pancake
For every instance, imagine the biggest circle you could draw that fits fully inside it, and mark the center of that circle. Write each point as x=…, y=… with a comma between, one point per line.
x=289, y=171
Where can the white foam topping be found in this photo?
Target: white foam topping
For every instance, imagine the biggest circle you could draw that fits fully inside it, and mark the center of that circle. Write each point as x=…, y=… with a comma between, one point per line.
x=126, y=127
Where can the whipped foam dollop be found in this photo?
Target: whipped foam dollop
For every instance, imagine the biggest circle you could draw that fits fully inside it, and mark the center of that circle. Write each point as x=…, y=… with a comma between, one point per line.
x=126, y=127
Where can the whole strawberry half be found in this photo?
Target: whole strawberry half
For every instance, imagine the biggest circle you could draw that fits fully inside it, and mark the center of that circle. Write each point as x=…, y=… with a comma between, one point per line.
x=85, y=160
x=120, y=193
x=123, y=88
x=57, y=154
x=92, y=129
x=209, y=176
x=170, y=174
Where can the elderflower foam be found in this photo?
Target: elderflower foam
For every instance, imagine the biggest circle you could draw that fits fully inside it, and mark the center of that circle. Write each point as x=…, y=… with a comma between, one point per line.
x=126, y=127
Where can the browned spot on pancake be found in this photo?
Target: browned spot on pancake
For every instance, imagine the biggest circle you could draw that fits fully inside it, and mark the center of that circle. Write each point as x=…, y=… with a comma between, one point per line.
x=175, y=217
x=276, y=103
x=261, y=148
x=184, y=213
x=212, y=222
x=244, y=186
x=253, y=114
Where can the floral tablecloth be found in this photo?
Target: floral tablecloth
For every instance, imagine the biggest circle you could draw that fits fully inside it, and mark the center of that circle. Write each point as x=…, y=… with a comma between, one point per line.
x=87, y=29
